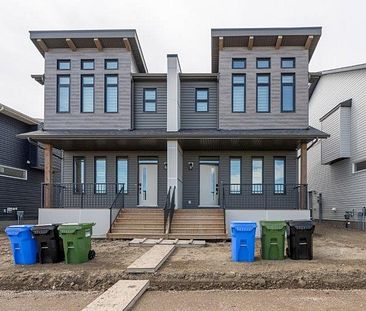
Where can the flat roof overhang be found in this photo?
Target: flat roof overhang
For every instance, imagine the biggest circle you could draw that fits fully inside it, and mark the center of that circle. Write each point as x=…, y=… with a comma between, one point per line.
x=112, y=140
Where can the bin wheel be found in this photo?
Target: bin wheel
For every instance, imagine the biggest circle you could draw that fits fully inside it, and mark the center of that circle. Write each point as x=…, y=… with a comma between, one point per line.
x=91, y=254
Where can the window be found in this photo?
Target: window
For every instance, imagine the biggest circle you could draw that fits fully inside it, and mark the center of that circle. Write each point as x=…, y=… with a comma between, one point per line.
x=279, y=175
x=149, y=100
x=201, y=100
x=257, y=175
x=359, y=166
x=100, y=174
x=87, y=64
x=263, y=63
x=238, y=93
x=263, y=92
x=235, y=175
x=287, y=92
x=79, y=174
x=288, y=62
x=63, y=64
x=111, y=93
x=122, y=174
x=87, y=93
x=63, y=93
x=12, y=172
x=239, y=63
x=111, y=64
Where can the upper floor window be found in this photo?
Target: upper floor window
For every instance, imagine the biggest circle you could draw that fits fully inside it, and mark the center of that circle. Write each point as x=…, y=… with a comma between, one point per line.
x=238, y=63
x=263, y=63
x=79, y=174
x=235, y=175
x=63, y=93
x=87, y=64
x=111, y=64
x=87, y=93
x=63, y=64
x=288, y=62
x=238, y=93
x=100, y=174
x=279, y=175
x=111, y=93
x=257, y=175
x=12, y=172
x=149, y=100
x=263, y=92
x=359, y=166
x=201, y=100
x=288, y=92
x=122, y=173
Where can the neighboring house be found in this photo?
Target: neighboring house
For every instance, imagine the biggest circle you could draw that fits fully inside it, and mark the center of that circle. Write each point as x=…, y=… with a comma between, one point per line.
x=337, y=166
x=218, y=146
x=21, y=167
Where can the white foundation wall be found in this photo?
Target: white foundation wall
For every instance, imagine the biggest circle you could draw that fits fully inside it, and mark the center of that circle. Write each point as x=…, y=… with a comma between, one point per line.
x=259, y=215
x=86, y=215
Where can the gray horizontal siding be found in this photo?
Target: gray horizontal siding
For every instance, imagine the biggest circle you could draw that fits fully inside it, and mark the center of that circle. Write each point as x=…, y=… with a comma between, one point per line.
x=147, y=120
x=190, y=119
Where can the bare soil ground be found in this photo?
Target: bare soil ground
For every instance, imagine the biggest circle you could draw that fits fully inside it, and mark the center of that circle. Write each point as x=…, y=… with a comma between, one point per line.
x=339, y=263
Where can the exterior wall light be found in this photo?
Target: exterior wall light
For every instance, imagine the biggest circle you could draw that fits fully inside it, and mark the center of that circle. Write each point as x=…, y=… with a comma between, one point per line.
x=190, y=165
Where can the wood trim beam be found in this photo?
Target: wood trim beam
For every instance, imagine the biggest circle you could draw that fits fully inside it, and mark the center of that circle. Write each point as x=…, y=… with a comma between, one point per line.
x=221, y=43
x=278, y=42
x=308, y=42
x=98, y=44
x=42, y=45
x=250, y=42
x=71, y=44
x=127, y=44
x=48, y=176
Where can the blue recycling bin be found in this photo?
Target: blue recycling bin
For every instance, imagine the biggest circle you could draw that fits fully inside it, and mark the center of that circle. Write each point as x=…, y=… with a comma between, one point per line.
x=23, y=244
x=243, y=241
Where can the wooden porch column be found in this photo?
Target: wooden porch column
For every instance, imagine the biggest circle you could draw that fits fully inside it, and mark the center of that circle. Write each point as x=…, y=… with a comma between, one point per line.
x=303, y=175
x=47, y=194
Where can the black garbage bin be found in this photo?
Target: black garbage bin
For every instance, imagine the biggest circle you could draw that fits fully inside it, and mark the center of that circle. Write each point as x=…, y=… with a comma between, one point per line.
x=300, y=239
x=50, y=247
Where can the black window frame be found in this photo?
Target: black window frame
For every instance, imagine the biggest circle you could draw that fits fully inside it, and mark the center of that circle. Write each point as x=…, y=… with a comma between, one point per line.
x=293, y=91
x=287, y=59
x=82, y=90
x=258, y=59
x=58, y=93
x=59, y=61
x=150, y=100
x=109, y=60
x=251, y=173
x=202, y=100
x=232, y=91
x=85, y=61
x=96, y=158
x=239, y=192
x=239, y=59
x=106, y=85
x=117, y=183
x=269, y=91
x=283, y=158
x=76, y=189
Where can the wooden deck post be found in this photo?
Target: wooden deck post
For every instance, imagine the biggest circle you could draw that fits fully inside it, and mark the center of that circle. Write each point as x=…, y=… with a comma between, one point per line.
x=303, y=175
x=47, y=191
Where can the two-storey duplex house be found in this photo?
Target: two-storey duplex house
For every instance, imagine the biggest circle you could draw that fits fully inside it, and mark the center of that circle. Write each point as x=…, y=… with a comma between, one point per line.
x=216, y=146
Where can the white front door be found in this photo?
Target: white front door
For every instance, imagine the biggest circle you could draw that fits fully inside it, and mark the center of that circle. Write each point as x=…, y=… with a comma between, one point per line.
x=148, y=184
x=209, y=191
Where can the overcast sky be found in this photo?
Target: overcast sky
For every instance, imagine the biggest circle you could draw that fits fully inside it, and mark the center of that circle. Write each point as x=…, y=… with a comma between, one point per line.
x=163, y=27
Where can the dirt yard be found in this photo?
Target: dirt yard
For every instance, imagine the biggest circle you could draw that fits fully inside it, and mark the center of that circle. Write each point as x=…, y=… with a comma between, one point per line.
x=339, y=263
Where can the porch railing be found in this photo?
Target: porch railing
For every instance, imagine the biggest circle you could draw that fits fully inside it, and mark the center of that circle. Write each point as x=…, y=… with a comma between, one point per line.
x=169, y=209
x=264, y=196
x=117, y=205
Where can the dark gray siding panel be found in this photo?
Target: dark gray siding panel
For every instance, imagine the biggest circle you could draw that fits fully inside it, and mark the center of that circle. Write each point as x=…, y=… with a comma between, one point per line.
x=191, y=119
x=143, y=120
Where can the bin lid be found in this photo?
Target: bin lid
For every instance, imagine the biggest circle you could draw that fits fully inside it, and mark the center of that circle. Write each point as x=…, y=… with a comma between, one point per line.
x=73, y=227
x=301, y=224
x=44, y=229
x=16, y=229
x=273, y=225
x=243, y=225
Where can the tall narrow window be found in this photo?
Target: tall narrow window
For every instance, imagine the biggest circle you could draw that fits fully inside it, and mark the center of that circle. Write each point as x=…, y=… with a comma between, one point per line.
x=263, y=92
x=122, y=173
x=235, y=175
x=279, y=175
x=238, y=93
x=201, y=100
x=288, y=92
x=257, y=175
x=149, y=100
x=100, y=174
x=63, y=93
x=87, y=93
x=111, y=93
x=79, y=174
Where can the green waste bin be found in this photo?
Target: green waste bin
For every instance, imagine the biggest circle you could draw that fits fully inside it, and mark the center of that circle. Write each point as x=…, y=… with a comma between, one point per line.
x=273, y=240
x=76, y=240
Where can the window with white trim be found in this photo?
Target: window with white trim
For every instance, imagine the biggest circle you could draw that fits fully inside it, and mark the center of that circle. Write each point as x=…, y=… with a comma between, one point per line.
x=13, y=172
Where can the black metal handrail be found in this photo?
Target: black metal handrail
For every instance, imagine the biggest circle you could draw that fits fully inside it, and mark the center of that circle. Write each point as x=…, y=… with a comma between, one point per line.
x=167, y=207
x=172, y=209
x=264, y=196
x=118, y=203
